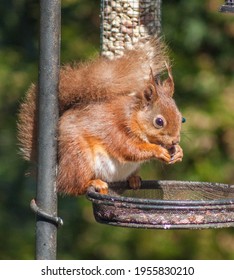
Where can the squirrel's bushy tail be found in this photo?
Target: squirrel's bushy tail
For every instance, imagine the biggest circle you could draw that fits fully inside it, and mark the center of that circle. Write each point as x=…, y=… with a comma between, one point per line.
x=103, y=78
x=27, y=125
x=95, y=80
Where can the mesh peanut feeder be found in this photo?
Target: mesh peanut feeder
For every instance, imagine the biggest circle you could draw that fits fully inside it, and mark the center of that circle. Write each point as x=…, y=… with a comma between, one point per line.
x=124, y=22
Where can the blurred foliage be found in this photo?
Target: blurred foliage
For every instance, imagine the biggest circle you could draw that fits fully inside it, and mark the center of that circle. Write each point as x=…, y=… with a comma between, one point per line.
x=201, y=42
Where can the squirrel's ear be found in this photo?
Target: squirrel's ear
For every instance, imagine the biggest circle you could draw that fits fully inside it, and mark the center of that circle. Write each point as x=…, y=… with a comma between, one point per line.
x=168, y=84
x=150, y=92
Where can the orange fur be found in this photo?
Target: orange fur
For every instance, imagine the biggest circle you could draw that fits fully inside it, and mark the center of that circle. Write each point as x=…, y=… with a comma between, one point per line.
x=27, y=125
x=108, y=111
x=93, y=81
x=112, y=131
x=102, y=78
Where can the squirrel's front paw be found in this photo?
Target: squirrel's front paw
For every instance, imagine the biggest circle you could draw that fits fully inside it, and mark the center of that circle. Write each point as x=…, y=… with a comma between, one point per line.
x=176, y=154
x=163, y=154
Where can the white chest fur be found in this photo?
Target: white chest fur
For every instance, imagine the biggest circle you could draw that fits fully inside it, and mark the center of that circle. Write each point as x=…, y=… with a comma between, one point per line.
x=110, y=170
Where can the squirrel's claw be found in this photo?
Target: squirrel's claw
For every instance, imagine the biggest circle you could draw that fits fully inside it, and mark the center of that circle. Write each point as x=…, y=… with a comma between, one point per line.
x=177, y=154
x=134, y=182
x=163, y=154
x=99, y=185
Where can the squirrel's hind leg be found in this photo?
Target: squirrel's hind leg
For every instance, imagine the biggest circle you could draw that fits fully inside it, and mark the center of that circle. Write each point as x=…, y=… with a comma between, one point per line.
x=134, y=181
x=98, y=185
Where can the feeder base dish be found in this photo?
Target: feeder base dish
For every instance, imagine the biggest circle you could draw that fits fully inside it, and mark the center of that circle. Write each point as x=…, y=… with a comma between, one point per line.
x=166, y=205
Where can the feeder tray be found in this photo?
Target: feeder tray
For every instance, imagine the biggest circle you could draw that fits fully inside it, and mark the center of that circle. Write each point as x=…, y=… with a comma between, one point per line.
x=165, y=205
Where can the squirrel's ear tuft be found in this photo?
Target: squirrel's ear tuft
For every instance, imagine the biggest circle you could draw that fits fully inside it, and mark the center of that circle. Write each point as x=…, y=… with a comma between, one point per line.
x=150, y=92
x=168, y=85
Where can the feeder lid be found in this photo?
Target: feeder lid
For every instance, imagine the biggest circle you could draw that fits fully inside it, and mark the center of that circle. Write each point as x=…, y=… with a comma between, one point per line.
x=228, y=7
x=165, y=205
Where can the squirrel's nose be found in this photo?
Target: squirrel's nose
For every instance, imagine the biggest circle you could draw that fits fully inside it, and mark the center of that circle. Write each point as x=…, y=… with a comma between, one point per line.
x=176, y=140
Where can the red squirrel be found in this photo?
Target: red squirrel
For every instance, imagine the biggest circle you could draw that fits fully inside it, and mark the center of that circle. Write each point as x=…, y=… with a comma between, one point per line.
x=114, y=115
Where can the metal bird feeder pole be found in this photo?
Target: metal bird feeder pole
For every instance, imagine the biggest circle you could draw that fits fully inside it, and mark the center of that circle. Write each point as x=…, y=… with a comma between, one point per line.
x=49, y=63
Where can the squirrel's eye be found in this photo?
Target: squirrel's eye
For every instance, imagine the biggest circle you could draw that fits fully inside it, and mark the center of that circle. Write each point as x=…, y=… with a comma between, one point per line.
x=159, y=122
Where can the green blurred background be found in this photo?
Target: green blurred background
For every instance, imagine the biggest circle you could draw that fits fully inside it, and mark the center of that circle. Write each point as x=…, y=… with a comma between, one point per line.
x=202, y=48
